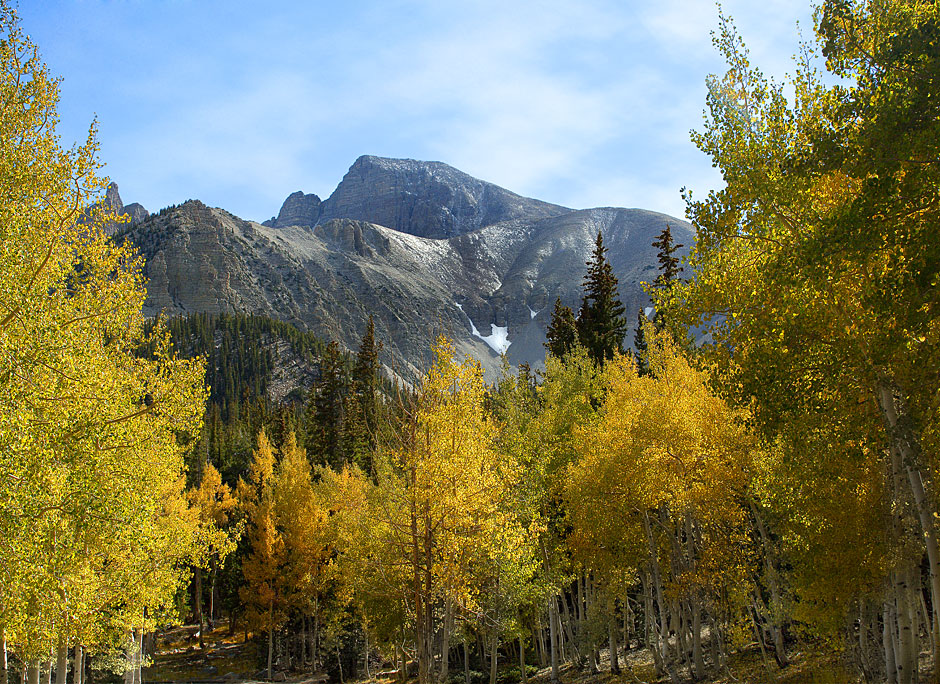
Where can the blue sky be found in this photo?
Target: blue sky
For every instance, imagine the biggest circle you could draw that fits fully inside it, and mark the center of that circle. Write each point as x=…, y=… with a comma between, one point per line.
x=584, y=104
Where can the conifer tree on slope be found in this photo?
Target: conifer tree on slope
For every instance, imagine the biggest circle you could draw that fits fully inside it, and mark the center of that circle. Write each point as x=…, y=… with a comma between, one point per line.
x=669, y=270
x=601, y=325
x=365, y=380
x=325, y=410
x=562, y=333
x=640, y=345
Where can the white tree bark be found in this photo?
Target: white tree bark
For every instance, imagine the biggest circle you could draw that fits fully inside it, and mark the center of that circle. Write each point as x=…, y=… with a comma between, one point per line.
x=78, y=664
x=4, y=674
x=553, y=637
x=62, y=662
x=907, y=446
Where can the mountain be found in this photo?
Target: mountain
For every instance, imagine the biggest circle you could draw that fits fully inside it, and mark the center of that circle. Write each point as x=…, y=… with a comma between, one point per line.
x=422, y=247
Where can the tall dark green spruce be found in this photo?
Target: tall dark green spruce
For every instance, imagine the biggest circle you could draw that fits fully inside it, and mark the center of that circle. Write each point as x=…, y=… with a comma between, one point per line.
x=601, y=325
x=669, y=269
x=640, y=347
x=362, y=404
x=562, y=332
x=325, y=410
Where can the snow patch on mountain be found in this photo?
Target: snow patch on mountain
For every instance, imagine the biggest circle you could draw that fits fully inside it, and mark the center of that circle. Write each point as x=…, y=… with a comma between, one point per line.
x=498, y=340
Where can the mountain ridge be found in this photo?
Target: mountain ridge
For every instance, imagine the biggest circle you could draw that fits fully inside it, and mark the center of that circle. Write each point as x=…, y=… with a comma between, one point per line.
x=489, y=288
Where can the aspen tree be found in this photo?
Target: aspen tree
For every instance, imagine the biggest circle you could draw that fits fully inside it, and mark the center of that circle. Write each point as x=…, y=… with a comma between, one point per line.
x=815, y=269
x=264, y=592
x=438, y=509
x=95, y=525
x=671, y=460
x=302, y=523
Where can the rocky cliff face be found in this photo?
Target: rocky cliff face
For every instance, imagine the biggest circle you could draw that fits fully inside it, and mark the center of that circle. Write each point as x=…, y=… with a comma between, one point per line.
x=490, y=286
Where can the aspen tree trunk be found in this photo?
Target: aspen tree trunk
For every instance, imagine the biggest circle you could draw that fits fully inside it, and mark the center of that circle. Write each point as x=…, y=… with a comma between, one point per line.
x=716, y=644
x=887, y=640
x=428, y=605
x=421, y=628
x=32, y=673
x=758, y=635
x=445, y=640
x=140, y=657
x=906, y=444
x=78, y=664
x=197, y=604
x=537, y=636
x=578, y=600
x=588, y=594
x=652, y=634
x=270, y=640
x=864, y=655
x=212, y=589
x=129, y=658
x=776, y=604
x=698, y=658
x=568, y=628
x=4, y=661
x=553, y=636
x=926, y=615
x=466, y=661
x=628, y=623
x=47, y=672
x=365, y=633
x=401, y=664
x=905, y=629
x=494, y=648
x=660, y=625
x=678, y=621
x=316, y=631
x=522, y=672
x=612, y=637
x=62, y=662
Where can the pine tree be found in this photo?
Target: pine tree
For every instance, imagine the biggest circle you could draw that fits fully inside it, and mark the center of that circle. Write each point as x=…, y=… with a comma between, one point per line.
x=325, y=410
x=355, y=438
x=365, y=381
x=669, y=268
x=601, y=325
x=640, y=346
x=562, y=332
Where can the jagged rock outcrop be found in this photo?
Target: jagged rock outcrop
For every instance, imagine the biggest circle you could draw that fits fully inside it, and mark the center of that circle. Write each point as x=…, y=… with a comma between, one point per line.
x=487, y=287
x=298, y=210
x=112, y=200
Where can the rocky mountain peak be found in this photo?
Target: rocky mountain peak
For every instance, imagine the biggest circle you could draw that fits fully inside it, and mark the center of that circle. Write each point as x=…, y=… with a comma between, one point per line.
x=426, y=199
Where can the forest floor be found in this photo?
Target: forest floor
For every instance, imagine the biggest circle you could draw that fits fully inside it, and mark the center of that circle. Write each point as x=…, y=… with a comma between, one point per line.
x=178, y=659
